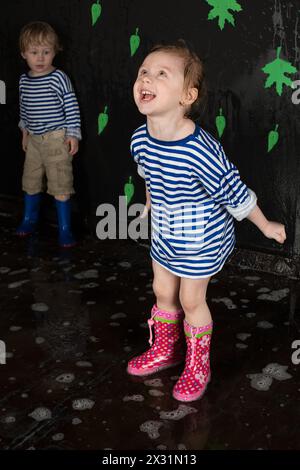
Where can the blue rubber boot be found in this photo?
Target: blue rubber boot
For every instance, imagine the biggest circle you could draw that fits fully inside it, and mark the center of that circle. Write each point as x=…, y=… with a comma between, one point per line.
x=66, y=239
x=31, y=214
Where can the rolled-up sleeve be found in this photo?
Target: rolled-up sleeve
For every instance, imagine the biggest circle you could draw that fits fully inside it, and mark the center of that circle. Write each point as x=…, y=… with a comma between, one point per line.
x=221, y=180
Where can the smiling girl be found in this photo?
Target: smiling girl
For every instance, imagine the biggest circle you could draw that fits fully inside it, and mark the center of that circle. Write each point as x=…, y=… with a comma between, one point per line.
x=195, y=194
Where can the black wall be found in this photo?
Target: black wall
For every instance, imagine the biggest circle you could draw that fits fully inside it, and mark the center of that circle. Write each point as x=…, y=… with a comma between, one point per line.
x=98, y=60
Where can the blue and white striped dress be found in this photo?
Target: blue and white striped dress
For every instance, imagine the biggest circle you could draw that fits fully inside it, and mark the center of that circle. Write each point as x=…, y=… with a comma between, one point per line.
x=48, y=103
x=195, y=193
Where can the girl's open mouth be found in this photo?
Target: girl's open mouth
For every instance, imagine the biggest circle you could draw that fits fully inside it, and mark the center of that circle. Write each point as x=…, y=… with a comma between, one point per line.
x=147, y=96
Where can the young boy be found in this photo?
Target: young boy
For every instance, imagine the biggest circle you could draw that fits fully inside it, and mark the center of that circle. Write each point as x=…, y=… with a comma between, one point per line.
x=50, y=124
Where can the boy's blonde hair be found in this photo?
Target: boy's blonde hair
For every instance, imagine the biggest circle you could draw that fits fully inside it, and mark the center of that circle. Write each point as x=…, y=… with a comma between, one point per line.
x=38, y=32
x=194, y=75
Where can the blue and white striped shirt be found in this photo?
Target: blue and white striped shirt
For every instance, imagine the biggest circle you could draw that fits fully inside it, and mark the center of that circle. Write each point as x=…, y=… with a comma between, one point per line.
x=48, y=103
x=195, y=193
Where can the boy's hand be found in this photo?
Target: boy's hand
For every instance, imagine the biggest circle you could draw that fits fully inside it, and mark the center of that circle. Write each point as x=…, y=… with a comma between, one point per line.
x=24, y=141
x=72, y=143
x=275, y=230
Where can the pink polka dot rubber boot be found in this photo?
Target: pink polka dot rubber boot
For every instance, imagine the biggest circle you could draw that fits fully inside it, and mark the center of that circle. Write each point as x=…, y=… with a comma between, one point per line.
x=196, y=375
x=168, y=348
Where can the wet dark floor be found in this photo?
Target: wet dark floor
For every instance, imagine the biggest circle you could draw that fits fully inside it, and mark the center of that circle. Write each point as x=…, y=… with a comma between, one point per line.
x=70, y=320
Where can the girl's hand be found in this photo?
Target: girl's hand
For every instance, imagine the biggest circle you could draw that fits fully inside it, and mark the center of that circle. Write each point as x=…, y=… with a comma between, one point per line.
x=147, y=205
x=275, y=230
x=146, y=209
x=72, y=143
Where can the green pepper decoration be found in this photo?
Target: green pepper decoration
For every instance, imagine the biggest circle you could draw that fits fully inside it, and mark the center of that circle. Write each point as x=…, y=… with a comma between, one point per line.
x=96, y=12
x=220, y=123
x=129, y=190
x=102, y=120
x=273, y=138
x=134, y=42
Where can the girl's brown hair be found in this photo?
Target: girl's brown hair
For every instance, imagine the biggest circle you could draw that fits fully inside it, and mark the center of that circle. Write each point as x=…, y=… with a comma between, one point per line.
x=38, y=32
x=194, y=75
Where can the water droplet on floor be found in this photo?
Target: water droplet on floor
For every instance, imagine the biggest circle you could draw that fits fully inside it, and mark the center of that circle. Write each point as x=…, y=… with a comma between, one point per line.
x=266, y=325
x=228, y=302
x=90, y=285
x=82, y=404
x=251, y=315
x=14, y=285
x=41, y=414
x=151, y=428
x=154, y=383
x=65, y=378
x=4, y=270
x=8, y=419
x=124, y=264
x=94, y=339
x=277, y=371
x=177, y=414
x=39, y=340
x=137, y=398
x=58, y=437
x=260, y=382
x=115, y=316
x=155, y=393
x=19, y=271
x=89, y=274
x=243, y=336
x=181, y=447
x=76, y=421
x=15, y=328
x=39, y=307
x=275, y=295
x=84, y=364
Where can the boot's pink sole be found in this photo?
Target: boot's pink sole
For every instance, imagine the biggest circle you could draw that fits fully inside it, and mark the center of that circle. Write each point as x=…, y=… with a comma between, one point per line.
x=141, y=372
x=192, y=396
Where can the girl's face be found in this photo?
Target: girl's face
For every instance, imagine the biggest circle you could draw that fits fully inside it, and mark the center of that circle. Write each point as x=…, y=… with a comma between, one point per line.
x=39, y=58
x=159, y=87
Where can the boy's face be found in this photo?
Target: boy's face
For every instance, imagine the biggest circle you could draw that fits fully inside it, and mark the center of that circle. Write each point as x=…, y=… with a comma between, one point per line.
x=159, y=87
x=39, y=58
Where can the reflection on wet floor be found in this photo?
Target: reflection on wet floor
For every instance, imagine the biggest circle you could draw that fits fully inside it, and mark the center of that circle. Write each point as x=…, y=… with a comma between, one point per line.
x=70, y=320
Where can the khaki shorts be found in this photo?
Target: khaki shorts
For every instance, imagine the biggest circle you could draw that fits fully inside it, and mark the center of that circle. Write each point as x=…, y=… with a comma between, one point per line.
x=47, y=154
